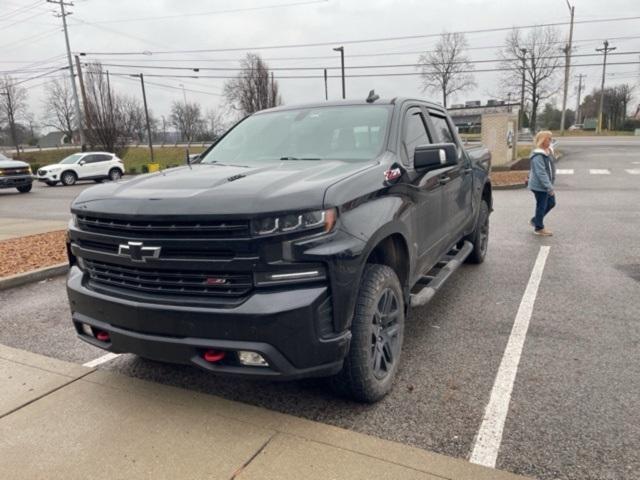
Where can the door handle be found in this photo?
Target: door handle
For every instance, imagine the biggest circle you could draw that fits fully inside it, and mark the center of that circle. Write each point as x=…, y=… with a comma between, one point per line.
x=468, y=170
x=444, y=180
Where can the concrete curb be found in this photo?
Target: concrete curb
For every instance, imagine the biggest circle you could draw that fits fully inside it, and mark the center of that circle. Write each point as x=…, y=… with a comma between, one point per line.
x=517, y=186
x=33, y=276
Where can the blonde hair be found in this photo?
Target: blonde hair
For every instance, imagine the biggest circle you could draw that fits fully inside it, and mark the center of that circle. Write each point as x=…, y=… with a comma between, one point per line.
x=541, y=136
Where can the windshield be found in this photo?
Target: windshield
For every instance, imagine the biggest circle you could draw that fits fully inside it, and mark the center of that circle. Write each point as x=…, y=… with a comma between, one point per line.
x=352, y=133
x=72, y=158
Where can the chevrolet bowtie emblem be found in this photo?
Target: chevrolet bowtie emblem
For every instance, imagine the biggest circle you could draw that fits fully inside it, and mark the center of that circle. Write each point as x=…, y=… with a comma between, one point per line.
x=138, y=252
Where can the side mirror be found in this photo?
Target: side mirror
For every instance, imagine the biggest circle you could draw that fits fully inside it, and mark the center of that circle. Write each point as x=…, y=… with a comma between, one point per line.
x=430, y=157
x=82, y=162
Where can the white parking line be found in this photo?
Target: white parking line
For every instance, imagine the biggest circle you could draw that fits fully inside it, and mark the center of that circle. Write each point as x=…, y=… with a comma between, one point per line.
x=487, y=445
x=633, y=171
x=100, y=360
x=599, y=171
x=564, y=171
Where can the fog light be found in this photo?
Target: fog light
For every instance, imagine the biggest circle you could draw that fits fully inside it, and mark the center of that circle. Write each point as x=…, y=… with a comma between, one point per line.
x=86, y=329
x=252, y=359
x=81, y=264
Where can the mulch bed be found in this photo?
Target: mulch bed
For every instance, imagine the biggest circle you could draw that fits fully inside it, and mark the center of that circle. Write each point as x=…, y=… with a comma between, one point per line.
x=509, y=178
x=23, y=254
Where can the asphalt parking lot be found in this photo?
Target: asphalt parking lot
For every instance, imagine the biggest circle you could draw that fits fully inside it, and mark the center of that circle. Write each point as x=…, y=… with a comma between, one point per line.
x=573, y=412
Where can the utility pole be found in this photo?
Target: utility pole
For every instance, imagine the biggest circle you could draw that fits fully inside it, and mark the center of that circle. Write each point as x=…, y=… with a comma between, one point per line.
x=341, y=50
x=606, y=49
x=273, y=91
x=64, y=14
x=567, y=66
x=83, y=92
x=326, y=88
x=580, y=77
x=523, y=51
x=146, y=114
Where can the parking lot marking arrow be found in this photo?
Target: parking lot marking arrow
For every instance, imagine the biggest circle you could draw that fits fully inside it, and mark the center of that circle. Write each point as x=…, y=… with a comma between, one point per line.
x=489, y=438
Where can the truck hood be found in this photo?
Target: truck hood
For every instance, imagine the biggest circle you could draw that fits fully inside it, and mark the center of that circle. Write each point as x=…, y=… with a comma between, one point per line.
x=12, y=164
x=221, y=189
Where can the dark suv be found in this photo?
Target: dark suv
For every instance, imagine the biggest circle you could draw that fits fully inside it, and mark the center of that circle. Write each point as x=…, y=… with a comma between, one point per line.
x=293, y=249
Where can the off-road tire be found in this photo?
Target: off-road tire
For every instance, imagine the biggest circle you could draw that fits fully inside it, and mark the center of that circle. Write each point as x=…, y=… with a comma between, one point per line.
x=480, y=235
x=68, y=178
x=359, y=378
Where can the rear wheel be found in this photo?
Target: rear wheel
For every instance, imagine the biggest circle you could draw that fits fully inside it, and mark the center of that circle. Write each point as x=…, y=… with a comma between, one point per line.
x=24, y=188
x=377, y=333
x=68, y=178
x=480, y=236
x=115, y=174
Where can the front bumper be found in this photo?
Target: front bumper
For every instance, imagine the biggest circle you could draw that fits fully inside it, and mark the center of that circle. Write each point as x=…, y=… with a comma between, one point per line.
x=14, y=181
x=49, y=176
x=284, y=326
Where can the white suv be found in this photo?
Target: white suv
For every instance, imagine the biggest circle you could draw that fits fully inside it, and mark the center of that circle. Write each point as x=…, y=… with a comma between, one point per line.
x=96, y=166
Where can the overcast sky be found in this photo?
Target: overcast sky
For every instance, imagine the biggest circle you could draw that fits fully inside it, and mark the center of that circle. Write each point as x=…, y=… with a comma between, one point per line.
x=33, y=35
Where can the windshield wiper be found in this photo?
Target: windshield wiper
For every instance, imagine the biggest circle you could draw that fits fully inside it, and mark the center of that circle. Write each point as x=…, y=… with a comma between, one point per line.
x=299, y=158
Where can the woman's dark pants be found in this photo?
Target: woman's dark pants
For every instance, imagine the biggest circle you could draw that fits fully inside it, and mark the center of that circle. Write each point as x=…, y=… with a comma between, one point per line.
x=544, y=204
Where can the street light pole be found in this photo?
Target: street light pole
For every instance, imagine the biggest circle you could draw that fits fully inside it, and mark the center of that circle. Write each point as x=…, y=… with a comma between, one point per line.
x=567, y=65
x=605, y=50
x=523, y=51
x=341, y=50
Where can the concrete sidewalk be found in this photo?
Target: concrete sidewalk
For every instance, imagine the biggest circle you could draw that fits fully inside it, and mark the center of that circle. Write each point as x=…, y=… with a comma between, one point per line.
x=60, y=420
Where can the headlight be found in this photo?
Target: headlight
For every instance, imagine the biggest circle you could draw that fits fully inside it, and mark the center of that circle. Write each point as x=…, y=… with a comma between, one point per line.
x=53, y=169
x=74, y=220
x=30, y=171
x=320, y=219
x=1, y=172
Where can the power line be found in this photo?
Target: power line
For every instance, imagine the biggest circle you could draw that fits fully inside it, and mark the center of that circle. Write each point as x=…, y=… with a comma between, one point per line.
x=37, y=36
x=364, y=75
x=39, y=76
x=354, y=55
x=370, y=40
x=401, y=65
x=216, y=12
x=164, y=85
x=20, y=11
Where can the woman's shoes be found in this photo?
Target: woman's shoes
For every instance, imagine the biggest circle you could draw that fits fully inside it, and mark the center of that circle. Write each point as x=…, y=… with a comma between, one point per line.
x=543, y=232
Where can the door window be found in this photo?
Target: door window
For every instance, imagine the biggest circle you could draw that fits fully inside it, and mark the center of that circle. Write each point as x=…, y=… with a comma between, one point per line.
x=415, y=132
x=442, y=131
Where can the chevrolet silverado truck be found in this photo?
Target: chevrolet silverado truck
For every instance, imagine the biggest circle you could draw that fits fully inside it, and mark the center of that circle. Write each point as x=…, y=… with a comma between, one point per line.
x=294, y=248
x=15, y=174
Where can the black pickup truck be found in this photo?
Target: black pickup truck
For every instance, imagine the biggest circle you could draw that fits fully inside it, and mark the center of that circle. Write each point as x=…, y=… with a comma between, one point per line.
x=293, y=249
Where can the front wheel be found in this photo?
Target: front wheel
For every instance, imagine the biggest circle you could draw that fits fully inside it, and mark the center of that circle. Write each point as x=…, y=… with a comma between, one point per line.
x=68, y=179
x=24, y=188
x=377, y=333
x=480, y=236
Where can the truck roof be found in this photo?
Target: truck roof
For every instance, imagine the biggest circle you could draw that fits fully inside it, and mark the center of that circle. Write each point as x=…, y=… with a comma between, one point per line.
x=381, y=101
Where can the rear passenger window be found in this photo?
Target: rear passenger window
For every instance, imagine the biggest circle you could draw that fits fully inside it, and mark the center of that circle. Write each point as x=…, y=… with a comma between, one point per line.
x=102, y=157
x=415, y=132
x=442, y=131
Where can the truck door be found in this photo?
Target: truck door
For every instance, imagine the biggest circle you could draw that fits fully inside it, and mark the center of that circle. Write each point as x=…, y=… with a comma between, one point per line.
x=457, y=181
x=426, y=191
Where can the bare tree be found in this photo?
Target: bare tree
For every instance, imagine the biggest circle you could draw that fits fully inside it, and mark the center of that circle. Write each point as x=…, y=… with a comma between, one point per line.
x=539, y=49
x=105, y=112
x=215, y=124
x=446, y=69
x=254, y=88
x=187, y=119
x=59, y=109
x=135, y=125
x=13, y=107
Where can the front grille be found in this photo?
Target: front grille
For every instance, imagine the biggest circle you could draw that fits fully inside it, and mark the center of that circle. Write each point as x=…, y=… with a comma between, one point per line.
x=168, y=251
x=163, y=228
x=15, y=171
x=171, y=282
x=42, y=173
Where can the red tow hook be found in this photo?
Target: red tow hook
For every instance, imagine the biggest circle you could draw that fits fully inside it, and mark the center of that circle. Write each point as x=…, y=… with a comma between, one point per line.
x=213, y=356
x=103, y=336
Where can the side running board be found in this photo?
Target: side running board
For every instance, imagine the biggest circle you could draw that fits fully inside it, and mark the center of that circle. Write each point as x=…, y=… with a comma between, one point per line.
x=435, y=278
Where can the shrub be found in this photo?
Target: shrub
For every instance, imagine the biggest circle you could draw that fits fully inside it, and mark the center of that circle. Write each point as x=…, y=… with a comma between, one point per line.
x=132, y=170
x=145, y=168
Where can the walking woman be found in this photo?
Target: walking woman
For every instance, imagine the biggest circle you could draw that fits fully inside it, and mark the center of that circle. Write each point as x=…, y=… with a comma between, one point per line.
x=542, y=175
